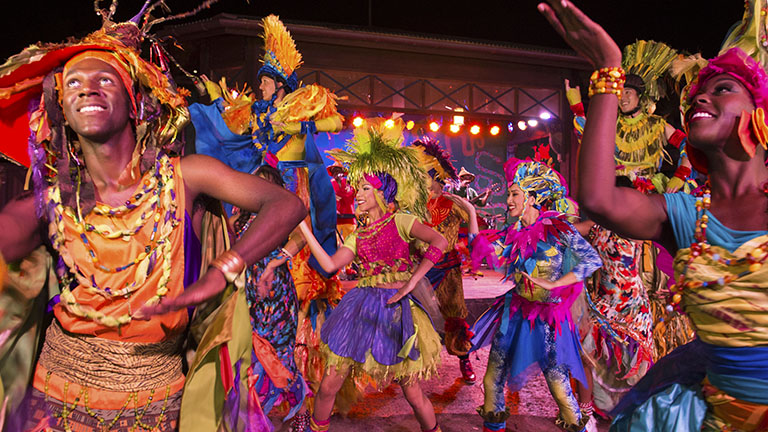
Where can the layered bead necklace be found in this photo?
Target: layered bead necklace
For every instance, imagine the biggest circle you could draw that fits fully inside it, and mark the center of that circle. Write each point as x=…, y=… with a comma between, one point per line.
x=159, y=196
x=753, y=261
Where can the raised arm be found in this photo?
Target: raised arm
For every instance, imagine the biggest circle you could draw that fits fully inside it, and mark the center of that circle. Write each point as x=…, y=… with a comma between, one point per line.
x=340, y=259
x=20, y=232
x=624, y=210
x=468, y=208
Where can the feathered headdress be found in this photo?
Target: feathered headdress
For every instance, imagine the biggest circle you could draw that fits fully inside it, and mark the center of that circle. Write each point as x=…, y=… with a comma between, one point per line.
x=281, y=58
x=435, y=160
x=542, y=181
x=377, y=148
x=649, y=60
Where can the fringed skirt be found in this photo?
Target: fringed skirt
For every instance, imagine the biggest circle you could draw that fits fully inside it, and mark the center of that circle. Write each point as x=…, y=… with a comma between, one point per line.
x=525, y=334
x=371, y=338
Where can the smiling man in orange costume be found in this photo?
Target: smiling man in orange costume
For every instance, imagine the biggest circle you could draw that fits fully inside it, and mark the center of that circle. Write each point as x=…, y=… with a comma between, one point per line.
x=117, y=202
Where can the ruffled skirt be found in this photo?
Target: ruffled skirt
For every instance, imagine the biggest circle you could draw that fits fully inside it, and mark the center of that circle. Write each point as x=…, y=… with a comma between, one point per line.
x=528, y=340
x=371, y=338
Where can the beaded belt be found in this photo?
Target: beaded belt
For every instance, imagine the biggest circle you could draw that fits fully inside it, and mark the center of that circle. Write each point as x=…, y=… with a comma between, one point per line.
x=106, y=364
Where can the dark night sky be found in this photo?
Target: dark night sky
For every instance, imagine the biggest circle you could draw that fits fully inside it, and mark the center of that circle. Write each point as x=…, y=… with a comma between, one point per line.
x=684, y=24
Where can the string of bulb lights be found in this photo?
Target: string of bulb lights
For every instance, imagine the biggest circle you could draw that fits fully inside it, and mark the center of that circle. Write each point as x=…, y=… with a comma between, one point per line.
x=459, y=123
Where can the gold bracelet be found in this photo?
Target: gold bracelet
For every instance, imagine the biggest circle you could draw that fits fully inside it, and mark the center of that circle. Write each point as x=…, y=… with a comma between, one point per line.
x=230, y=263
x=607, y=80
x=284, y=252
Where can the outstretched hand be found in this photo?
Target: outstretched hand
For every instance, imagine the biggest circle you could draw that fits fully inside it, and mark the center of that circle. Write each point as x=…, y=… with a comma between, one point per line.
x=585, y=36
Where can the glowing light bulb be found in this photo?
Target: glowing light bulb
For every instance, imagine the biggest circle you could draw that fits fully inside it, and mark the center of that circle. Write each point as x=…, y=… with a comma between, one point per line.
x=389, y=124
x=357, y=121
x=434, y=126
x=474, y=129
x=454, y=128
x=522, y=125
x=409, y=125
x=495, y=130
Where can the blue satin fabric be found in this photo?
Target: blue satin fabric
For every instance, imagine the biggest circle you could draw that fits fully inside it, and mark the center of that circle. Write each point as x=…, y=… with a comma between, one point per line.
x=214, y=138
x=681, y=208
x=669, y=398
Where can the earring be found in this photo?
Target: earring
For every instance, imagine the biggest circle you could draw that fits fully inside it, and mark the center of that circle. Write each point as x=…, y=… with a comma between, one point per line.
x=752, y=131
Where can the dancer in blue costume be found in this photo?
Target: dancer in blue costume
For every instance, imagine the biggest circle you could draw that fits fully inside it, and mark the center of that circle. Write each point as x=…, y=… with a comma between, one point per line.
x=531, y=324
x=720, y=380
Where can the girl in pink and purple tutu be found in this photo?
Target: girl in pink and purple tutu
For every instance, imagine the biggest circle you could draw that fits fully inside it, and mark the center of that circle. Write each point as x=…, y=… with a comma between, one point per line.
x=379, y=330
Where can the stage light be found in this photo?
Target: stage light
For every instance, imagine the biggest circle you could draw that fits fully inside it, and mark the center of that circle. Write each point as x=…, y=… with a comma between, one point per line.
x=458, y=119
x=522, y=125
x=474, y=129
x=357, y=121
x=510, y=127
x=545, y=115
x=496, y=129
x=434, y=126
x=389, y=123
x=234, y=93
x=533, y=122
x=409, y=125
x=454, y=128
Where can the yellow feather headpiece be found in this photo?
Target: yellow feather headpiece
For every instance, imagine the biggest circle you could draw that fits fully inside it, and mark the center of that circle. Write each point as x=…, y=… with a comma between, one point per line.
x=281, y=58
x=377, y=148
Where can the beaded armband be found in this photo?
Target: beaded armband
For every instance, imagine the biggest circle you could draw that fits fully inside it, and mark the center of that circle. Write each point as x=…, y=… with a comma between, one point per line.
x=230, y=263
x=607, y=80
x=433, y=254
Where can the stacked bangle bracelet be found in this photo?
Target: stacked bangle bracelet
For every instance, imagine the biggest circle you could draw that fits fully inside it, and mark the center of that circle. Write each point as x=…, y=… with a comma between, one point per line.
x=607, y=80
x=230, y=263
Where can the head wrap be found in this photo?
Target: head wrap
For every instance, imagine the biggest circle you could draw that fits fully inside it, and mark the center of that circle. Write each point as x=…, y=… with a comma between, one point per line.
x=375, y=153
x=109, y=58
x=738, y=65
x=281, y=58
x=541, y=181
x=435, y=160
x=31, y=116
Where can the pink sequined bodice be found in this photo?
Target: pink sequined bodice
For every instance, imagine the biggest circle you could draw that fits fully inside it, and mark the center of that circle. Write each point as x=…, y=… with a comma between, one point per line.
x=380, y=248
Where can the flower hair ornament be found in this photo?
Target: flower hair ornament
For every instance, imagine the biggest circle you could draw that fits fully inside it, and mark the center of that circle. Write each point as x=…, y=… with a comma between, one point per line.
x=376, y=153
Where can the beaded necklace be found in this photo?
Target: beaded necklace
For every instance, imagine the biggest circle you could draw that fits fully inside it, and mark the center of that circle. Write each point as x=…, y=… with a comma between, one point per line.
x=158, y=191
x=753, y=260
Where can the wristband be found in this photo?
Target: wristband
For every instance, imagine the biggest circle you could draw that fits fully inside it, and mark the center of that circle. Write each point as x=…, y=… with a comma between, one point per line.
x=308, y=127
x=284, y=252
x=433, y=254
x=682, y=172
x=230, y=263
x=607, y=80
x=677, y=138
